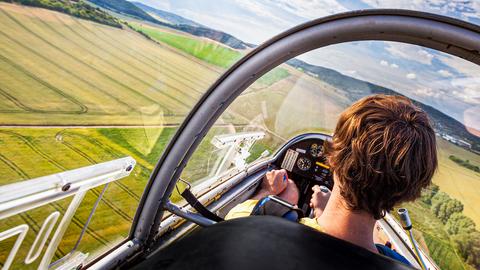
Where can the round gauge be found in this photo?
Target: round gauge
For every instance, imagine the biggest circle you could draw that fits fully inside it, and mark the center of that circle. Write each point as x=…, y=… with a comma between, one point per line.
x=316, y=150
x=304, y=164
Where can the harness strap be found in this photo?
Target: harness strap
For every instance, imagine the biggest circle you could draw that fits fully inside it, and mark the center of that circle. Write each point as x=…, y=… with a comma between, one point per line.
x=197, y=205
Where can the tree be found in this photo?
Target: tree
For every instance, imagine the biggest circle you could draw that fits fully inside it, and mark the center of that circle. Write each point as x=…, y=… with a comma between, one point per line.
x=459, y=223
x=443, y=206
x=428, y=193
x=468, y=245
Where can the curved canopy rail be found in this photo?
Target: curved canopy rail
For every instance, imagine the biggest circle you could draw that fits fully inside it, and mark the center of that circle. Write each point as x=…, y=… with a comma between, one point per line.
x=437, y=32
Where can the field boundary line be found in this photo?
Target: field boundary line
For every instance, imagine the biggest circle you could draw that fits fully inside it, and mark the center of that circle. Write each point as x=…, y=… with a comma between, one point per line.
x=61, y=167
x=111, y=53
x=69, y=72
x=80, y=61
x=83, y=108
x=159, y=63
x=112, y=152
x=108, y=63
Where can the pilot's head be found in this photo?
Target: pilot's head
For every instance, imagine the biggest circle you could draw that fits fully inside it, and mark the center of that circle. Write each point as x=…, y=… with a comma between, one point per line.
x=383, y=153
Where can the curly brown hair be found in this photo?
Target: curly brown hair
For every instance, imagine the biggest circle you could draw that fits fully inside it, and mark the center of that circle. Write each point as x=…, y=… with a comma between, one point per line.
x=383, y=153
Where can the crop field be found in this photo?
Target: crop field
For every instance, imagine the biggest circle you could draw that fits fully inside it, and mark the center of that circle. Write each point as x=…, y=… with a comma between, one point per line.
x=204, y=49
x=76, y=93
x=90, y=74
x=209, y=51
x=459, y=182
x=432, y=236
x=29, y=153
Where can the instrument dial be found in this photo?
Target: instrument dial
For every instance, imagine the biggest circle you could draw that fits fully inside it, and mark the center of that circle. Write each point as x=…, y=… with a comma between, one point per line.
x=304, y=164
x=316, y=150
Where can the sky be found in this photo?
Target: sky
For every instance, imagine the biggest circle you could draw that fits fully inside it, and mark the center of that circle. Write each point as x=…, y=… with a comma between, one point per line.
x=445, y=82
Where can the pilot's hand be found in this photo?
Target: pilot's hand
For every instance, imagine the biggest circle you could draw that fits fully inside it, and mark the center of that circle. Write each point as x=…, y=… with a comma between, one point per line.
x=274, y=182
x=290, y=194
x=319, y=199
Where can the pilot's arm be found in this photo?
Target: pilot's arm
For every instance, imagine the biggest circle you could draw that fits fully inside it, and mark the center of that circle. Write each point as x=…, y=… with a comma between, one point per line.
x=319, y=200
x=276, y=182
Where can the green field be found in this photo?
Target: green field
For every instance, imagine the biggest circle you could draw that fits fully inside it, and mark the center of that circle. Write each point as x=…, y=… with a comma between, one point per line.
x=206, y=50
x=431, y=233
x=80, y=93
x=29, y=153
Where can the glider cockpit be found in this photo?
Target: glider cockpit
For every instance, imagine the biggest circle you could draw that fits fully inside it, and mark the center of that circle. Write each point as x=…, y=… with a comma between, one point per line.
x=305, y=160
x=171, y=212
x=163, y=219
x=302, y=157
x=266, y=242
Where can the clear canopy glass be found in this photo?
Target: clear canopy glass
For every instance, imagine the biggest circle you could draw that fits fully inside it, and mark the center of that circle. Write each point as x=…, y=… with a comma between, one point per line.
x=78, y=90
x=307, y=94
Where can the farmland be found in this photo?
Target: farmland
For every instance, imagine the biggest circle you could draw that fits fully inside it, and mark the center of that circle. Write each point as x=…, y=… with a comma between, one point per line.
x=459, y=182
x=56, y=70
x=75, y=93
x=434, y=239
x=83, y=76
x=53, y=150
x=206, y=50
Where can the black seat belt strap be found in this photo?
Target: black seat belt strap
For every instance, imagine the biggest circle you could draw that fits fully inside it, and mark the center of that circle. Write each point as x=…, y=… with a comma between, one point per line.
x=197, y=205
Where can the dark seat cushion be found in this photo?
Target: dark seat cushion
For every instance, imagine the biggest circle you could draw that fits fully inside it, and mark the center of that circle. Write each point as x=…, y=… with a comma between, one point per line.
x=265, y=242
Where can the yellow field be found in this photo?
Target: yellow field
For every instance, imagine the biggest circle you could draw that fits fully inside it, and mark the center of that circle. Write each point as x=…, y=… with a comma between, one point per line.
x=460, y=183
x=88, y=73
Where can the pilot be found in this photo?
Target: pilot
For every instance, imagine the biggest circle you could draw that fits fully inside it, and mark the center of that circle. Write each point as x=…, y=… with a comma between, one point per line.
x=383, y=153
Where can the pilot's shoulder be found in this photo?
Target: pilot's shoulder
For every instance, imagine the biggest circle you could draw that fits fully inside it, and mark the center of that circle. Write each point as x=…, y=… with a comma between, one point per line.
x=241, y=210
x=310, y=222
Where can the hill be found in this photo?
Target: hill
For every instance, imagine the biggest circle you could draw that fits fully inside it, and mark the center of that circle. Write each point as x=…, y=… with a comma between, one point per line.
x=169, y=17
x=124, y=7
x=356, y=89
x=180, y=23
x=79, y=9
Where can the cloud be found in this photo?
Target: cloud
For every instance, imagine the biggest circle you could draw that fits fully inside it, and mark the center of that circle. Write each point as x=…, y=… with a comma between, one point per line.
x=445, y=73
x=411, y=76
x=257, y=8
x=352, y=72
x=310, y=9
x=410, y=52
x=460, y=65
x=297, y=11
x=467, y=90
x=463, y=9
x=466, y=86
x=426, y=92
x=386, y=64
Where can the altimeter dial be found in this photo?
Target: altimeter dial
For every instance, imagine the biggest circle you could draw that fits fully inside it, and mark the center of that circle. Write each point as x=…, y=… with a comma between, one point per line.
x=316, y=150
x=304, y=164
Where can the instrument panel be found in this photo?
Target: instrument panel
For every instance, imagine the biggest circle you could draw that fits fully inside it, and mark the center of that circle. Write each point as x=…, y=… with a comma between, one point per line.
x=308, y=159
x=305, y=160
